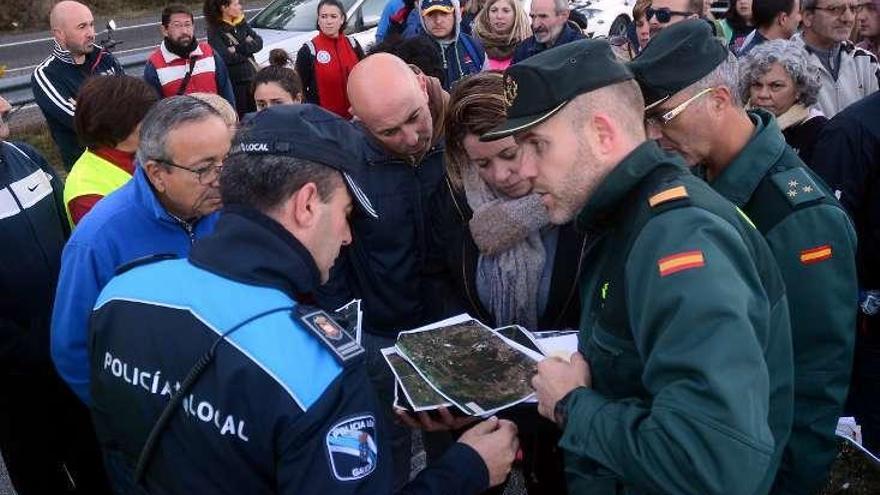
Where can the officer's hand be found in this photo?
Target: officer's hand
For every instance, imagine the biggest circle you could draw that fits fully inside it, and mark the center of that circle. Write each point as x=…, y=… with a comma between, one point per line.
x=556, y=378
x=423, y=421
x=496, y=442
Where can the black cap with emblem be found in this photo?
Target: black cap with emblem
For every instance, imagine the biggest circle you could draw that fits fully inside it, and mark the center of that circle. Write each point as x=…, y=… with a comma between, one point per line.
x=675, y=58
x=310, y=133
x=540, y=86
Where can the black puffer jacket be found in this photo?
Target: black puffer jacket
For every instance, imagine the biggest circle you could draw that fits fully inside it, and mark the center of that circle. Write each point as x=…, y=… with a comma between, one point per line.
x=240, y=63
x=453, y=265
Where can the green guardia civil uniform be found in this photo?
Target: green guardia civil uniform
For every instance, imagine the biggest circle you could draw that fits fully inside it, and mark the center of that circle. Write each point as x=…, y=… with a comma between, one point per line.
x=686, y=330
x=814, y=244
x=685, y=322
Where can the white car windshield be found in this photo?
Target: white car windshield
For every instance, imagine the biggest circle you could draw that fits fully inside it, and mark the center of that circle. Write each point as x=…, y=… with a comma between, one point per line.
x=291, y=15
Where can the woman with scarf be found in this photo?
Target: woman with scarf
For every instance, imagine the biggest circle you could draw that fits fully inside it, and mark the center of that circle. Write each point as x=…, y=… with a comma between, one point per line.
x=324, y=62
x=778, y=76
x=499, y=27
x=231, y=36
x=495, y=255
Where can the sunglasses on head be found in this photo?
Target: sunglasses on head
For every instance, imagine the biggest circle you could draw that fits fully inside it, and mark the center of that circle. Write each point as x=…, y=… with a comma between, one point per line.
x=664, y=14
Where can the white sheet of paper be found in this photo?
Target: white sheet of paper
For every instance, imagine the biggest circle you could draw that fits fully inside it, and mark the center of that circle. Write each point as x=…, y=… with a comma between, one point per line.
x=561, y=345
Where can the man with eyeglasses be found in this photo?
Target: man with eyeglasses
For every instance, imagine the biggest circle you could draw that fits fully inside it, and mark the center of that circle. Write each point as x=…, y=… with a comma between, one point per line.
x=690, y=83
x=170, y=202
x=665, y=13
x=181, y=64
x=848, y=73
x=868, y=17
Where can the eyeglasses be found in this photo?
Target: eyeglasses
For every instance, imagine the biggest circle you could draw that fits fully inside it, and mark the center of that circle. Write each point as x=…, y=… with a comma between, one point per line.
x=839, y=10
x=181, y=25
x=664, y=14
x=667, y=117
x=205, y=175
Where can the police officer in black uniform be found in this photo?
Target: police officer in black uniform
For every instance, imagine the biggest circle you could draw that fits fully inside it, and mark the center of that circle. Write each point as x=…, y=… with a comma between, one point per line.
x=212, y=374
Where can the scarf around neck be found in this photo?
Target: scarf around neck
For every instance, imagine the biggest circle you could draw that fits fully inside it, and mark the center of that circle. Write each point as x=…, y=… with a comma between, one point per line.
x=507, y=233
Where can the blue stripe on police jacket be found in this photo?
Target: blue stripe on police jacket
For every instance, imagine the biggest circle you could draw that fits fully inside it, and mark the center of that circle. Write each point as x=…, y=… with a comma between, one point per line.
x=274, y=413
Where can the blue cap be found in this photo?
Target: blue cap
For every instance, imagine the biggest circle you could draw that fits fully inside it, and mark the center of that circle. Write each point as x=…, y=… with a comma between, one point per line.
x=428, y=6
x=310, y=133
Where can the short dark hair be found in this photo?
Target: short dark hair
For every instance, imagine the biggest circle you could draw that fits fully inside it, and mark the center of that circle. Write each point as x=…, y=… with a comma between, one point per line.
x=420, y=51
x=175, y=8
x=764, y=12
x=213, y=11
x=279, y=73
x=109, y=108
x=333, y=3
x=263, y=182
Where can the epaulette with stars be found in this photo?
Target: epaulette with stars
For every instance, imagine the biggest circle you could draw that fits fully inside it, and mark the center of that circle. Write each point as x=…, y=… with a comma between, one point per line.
x=797, y=186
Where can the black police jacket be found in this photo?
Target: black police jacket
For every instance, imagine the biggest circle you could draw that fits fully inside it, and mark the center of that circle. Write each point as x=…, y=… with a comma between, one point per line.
x=453, y=265
x=283, y=408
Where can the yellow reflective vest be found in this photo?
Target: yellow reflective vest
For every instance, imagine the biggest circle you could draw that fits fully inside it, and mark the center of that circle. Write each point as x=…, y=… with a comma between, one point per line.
x=92, y=175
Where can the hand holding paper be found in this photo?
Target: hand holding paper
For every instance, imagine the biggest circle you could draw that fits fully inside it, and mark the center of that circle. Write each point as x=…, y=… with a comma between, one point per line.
x=556, y=378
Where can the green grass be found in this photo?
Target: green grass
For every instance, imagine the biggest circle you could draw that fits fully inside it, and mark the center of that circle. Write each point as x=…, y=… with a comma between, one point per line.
x=38, y=136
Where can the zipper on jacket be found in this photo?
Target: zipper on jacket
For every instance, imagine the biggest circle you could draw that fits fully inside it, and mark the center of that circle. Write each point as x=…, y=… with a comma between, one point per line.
x=189, y=229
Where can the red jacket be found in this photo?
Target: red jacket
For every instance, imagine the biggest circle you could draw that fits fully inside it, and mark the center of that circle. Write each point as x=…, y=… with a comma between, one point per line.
x=165, y=71
x=323, y=64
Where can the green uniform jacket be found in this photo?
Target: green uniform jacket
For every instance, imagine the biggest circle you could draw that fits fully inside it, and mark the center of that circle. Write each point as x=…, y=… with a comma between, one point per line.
x=685, y=325
x=814, y=244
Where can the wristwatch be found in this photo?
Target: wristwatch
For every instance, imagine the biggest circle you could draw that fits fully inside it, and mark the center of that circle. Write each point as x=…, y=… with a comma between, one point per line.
x=560, y=411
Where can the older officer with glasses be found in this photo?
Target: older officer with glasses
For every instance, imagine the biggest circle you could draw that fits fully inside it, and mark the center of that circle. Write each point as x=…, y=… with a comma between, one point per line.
x=690, y=83
x=169, y=202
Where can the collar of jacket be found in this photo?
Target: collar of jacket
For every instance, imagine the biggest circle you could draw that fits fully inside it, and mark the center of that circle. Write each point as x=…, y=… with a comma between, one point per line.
x=252, y=248
x=234, y=22
x=738, y=181
x=603, y=203
x=65, y=56
x=145, y=196
x=568, y=34
x=169, y=57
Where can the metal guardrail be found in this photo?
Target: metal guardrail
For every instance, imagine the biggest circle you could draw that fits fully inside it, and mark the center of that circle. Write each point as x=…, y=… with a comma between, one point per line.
x=17, y=90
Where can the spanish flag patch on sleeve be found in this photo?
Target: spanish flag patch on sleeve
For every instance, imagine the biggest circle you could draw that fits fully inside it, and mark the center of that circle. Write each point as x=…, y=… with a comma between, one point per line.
x=816, y=254
x=679, y=262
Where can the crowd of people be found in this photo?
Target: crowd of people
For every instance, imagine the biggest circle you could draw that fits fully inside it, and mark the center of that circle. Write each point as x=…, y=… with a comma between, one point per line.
x=697, y=196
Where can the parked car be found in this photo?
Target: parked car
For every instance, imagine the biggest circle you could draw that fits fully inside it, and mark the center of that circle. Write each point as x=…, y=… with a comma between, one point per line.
x=289, y=24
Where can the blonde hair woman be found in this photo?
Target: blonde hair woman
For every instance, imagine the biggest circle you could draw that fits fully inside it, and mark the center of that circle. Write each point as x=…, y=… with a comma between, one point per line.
x=500, y=26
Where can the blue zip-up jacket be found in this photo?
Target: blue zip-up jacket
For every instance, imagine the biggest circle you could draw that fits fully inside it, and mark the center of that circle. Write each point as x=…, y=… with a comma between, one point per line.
x=462, y=56
x=55, y=83
x=275, y=412
x=530, y=45
x=33, y=228
x=384, y=265
x=128, y=224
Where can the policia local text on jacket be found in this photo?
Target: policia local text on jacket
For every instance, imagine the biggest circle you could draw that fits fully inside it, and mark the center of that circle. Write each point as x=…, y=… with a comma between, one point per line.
x=692, y=378
x=276, y=412
x=55, y=83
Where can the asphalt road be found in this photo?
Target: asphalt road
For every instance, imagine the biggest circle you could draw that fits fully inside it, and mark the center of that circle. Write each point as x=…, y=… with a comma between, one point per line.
x=21, y=53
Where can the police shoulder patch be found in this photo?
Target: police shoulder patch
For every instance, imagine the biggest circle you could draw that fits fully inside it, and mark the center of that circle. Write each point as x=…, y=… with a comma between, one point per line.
x=667, y=194
x=351, y=446
x=679, y=262
x=323, y=326
x=797, y=186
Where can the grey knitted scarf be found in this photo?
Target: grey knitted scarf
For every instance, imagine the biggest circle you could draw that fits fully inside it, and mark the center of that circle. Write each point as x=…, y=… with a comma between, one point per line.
x=508, y=234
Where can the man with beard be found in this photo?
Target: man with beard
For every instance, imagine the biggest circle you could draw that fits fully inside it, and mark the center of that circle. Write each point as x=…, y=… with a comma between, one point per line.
x=181, y=65
x=56, y=81
x=550, y=27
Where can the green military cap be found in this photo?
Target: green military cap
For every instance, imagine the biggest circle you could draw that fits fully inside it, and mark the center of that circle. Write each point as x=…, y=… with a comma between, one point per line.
x=540, y=86
x=675, y=58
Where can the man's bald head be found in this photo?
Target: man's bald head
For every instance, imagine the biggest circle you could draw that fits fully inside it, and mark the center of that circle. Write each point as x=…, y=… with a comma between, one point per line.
x=73, y=26
x=392, y=102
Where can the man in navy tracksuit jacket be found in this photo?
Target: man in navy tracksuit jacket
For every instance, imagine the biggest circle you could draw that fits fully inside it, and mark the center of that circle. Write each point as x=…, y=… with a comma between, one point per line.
x=284, y=406
x=44, y=429
x=55, y=83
